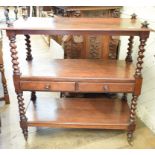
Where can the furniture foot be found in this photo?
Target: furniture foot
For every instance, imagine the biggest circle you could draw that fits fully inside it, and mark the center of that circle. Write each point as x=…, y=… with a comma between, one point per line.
x=130, y=132
x=23, y=125
x=33, y=96
x=23, y=119
x=124, y=97
x=132, y=125
x=28, y=48
x=130, y=138
x=25, y=132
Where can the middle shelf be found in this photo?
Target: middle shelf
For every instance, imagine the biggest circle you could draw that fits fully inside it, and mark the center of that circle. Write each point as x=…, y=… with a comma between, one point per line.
x=78, y=75
x=94, y=70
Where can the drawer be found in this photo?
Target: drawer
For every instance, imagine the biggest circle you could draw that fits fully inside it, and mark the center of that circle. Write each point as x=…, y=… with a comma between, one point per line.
x=47, y=86
x=105, y=87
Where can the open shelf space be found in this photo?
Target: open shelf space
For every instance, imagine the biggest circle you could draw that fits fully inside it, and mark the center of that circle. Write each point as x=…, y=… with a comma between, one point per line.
x=94, y=70
x=99, y=113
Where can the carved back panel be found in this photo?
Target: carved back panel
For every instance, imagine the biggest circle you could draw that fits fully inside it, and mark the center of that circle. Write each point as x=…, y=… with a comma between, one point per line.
x=91, y=46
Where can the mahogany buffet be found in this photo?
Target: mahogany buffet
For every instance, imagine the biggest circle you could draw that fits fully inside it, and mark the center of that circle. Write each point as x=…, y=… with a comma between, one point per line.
x=79, y=75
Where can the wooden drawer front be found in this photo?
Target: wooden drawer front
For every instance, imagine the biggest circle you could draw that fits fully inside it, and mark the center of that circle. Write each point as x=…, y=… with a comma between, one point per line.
x=105, y=87
x=48, y=86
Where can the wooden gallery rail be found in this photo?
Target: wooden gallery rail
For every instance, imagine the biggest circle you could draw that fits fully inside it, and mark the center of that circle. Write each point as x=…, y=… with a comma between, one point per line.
x=79, y=75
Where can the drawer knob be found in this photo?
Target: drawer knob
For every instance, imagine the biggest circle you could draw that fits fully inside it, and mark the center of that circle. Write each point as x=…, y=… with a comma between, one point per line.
x=47, y=87
x=105, y=88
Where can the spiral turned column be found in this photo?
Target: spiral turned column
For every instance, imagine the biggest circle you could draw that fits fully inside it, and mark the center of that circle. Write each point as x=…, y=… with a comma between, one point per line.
x=23, y=119
x=16, y=76
x=138, y=77
x=28, y=48
x=15, y=63
x=140, y=57
x=128, y=59
x=132, y=118
x=129, y=53
x=6, y=95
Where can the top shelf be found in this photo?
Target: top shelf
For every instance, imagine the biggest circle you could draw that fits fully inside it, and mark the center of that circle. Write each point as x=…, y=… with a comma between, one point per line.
x=87, y=8
x=65, y=25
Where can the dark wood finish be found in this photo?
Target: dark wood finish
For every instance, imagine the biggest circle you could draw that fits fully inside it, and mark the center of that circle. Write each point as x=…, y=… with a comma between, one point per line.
x=3, y=79
x=76, y=87
x=140, y=56
x=29, y=58
x=60, y=26
x=105, y=87
x=130, y=45
x=28, y=48
x=90, y=46
x=138, y=77
x=120, y=73
x=132, y=118
x=16, y=76
x=77, y=113
x=89, y=70
x=47, y=86
x=33, y=96
x=23, y=118
x=86, y=8
x=124, y=97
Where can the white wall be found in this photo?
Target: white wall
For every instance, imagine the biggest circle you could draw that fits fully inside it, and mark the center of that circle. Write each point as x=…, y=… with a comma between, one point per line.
x=146, y=101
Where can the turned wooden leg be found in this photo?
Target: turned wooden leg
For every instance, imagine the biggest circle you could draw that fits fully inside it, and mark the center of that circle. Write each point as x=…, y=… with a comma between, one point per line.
x=129, y=53
x=23, y=119
x=3, y=79
x=33, y=96
x=124, y=97
x=16, y=78
x=138, y=82
x=28, y=48
x=132, y=120
x=6, y=95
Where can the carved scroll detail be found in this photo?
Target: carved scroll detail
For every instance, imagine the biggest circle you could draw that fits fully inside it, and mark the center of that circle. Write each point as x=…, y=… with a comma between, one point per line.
x=94, y=48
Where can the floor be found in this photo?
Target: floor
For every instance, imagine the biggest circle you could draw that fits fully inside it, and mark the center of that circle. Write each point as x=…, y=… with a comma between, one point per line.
x=11, y=134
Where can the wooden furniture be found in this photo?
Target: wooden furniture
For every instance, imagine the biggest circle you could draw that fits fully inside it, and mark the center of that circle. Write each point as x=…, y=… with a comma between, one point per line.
x=79, y=75
x=89, y=46
x=3, y=79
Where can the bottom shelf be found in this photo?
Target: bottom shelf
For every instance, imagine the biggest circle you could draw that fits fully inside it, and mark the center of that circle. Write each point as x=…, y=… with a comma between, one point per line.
x=101, y=113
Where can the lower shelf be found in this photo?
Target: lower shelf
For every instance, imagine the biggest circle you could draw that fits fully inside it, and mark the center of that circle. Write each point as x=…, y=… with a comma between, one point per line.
x=79, y=113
